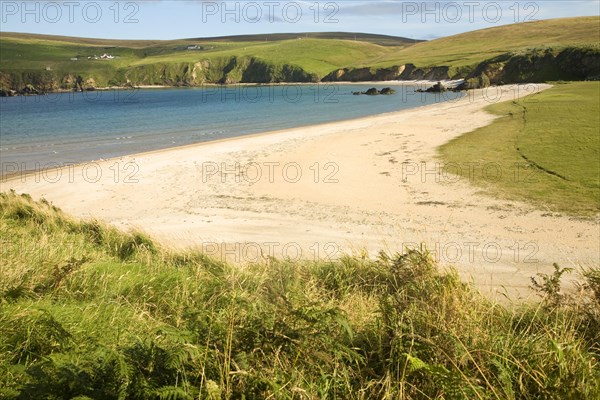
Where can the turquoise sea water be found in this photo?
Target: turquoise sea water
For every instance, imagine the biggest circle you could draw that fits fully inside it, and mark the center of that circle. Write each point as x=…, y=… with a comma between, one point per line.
x=75, y=127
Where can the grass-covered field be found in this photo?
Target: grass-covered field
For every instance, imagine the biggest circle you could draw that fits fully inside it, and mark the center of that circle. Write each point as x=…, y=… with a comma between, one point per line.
x=319, y=56
x=315, y=55
x=547, y=147
x=471, y=48
x=87, y=312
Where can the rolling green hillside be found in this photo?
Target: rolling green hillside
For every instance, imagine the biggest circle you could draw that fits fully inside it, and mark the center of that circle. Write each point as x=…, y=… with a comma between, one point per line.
x=458, y=56
x=24, y=57
x=471, y=48
x=319, y=53
x=45, y=61
x=382, y=40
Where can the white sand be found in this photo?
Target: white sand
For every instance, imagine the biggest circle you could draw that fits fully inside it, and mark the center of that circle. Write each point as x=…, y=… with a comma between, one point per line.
x=359, y=203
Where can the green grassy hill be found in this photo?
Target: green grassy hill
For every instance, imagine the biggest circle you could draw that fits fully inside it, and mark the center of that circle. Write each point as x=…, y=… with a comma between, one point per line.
x=22, y=54
x=45, y=61
x=460, y=56
x=318, y=53
x=382, y=40
x=472, y=48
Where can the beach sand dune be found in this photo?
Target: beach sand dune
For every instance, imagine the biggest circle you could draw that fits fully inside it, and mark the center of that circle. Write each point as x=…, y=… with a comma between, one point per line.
x=348, y=187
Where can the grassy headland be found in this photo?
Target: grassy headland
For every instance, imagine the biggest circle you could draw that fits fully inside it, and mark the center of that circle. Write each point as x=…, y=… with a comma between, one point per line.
x=471, y=48
x=45, y=61
x=544, y=149
x=88, y=312
x=214, y=60
x=314, y=56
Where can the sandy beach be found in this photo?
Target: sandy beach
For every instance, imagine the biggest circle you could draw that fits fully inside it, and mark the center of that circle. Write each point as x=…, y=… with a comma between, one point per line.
x=356, y=187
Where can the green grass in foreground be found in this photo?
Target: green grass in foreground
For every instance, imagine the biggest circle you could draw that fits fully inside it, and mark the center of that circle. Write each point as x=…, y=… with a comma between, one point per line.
x=546, y=146
x=87, y=312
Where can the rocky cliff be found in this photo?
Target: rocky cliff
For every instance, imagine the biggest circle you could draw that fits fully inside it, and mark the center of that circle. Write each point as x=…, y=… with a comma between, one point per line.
x=537, y=65
x=221, y=71
x=218, y=71
x=401, y=72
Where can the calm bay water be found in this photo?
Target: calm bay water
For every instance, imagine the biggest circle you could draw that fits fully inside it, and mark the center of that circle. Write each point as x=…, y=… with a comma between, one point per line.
x=76, y=127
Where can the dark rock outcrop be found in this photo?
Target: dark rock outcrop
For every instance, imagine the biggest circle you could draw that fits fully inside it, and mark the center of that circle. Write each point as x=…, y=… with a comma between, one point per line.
x=403, y=72
x=388, y=74
x=374, y=92
x=540, y=65
x=411, y=72
x=29, y=89
x=8, y=93
x=477, y=82
x=534, y=66
x=350, y=75
x=437, y=88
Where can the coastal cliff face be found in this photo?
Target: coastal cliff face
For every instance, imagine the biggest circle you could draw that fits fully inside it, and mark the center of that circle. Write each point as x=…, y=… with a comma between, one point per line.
x=539, y=65
x=535, y=66
x=39, y=82
x=401, y=72
x=220, y=71
x=217, y=71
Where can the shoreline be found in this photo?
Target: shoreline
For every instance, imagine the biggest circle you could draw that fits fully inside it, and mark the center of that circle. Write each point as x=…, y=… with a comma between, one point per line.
x=7, y=178
x=13, y=176
x=352, y=194
x=157, y=87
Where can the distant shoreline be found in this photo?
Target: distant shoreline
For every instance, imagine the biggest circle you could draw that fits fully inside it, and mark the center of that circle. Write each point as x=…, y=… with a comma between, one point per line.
x=448, y=83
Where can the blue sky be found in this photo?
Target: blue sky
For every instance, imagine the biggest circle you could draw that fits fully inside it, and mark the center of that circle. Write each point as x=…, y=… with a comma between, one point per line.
x=173, y=19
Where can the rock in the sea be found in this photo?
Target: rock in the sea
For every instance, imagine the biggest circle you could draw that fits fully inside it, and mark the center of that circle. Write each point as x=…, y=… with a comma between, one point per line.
x=437, y=88
x=375, y=92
